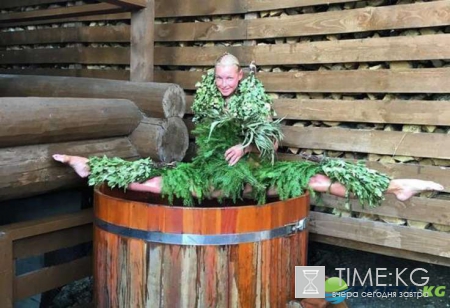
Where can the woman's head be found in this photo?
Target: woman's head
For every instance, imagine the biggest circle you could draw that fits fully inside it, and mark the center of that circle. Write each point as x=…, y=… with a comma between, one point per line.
x=228, y=73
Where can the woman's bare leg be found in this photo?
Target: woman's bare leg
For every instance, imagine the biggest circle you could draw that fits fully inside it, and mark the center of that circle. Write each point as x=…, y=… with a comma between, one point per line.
x=403, y=189
x=153, y=185
x=78, y=163
x=81, y=167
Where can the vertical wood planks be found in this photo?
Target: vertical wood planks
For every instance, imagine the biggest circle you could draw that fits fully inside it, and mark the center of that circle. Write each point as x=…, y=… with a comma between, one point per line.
x=154, y=286
x=142, y=43
x=6, y=271
x=149, y=274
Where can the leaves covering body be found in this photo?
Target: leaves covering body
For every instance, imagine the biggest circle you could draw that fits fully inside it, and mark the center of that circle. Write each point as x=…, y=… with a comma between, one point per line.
x=244, y=118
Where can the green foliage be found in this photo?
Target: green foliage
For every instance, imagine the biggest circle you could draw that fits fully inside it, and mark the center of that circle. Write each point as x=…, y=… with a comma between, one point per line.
x=184, y=180
x=208, y=102
x=290, y=178
x=231, y=180
x=216, y=142
x=365, y=184
x=244, y=118
x=117, y=172
x=250, y=108
x=251, y=103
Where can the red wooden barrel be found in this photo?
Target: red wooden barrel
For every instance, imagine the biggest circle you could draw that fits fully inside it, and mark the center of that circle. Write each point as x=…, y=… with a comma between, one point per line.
x=148, y=254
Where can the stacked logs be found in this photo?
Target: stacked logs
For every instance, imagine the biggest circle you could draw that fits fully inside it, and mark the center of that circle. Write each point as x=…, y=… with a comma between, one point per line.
x=33, y=128
x=161, y=133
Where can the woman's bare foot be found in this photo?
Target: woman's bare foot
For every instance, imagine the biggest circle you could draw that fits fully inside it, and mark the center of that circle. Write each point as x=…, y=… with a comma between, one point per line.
x=153, y=185
x=78, y=163
x=404, y=189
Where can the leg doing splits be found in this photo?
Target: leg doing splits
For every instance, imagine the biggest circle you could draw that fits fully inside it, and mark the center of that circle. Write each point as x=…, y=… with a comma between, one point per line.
x=403, y=189
x=80, y=166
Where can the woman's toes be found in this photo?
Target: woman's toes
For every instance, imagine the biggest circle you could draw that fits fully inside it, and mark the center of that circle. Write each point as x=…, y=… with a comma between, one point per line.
x=60, y=158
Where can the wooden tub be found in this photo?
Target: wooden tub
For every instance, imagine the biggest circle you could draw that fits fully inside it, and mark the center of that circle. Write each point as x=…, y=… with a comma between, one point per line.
x=148, y=254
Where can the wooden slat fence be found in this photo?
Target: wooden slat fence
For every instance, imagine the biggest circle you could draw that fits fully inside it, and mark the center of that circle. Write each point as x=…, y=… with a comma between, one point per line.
x=434, y=47
x=177, y=8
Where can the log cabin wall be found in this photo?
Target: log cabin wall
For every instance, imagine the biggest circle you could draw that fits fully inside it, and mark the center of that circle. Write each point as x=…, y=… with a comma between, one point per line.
x=353, y=79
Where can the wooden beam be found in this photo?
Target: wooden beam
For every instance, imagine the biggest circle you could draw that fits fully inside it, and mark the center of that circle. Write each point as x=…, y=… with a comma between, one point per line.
x=27, y=229
x=352, y=81
x=110, y=34
x=391, y=17
x=43, y=174
x=156, y=100
x=50, y=20
x=142, y=43
x=417, y=15
x=264, y=5
x=128, y=4
x=358, y=20
x=40, y=244
x=7, y=4
x=419, y=209
x=368, y=141
x=104, y=74
x=52, y=277
x=59, y=119
x=179, y=8
x=402, y=48
x=6, y=271
x=383, y=234
x=72, y=11
x=382, y=250
x=362, y=111
x=366, y=111
x=349, y=81
x=78, y=55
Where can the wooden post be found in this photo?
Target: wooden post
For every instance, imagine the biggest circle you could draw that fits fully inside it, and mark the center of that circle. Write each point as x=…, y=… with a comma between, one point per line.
x=142, y=45
x=6, y=271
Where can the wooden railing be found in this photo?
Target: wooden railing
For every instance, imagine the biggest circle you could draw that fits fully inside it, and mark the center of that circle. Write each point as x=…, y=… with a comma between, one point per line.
x=34, y=238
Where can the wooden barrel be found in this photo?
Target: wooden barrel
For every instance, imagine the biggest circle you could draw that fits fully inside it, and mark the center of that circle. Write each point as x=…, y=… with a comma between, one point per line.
x=147, y=254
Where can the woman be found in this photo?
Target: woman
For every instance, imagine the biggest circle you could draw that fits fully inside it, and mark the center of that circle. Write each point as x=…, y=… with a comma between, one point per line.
x=237, y=141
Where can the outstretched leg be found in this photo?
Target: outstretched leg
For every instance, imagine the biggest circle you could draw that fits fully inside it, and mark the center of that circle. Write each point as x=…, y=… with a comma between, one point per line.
x=81, y=167
x=78, y=163
x=403, y=189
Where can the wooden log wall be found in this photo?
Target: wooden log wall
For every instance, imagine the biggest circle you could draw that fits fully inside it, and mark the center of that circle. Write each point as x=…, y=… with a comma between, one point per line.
x=353, y=79
x=32, y=120
x=161, y=100
x=33, y=129
x=36, y=128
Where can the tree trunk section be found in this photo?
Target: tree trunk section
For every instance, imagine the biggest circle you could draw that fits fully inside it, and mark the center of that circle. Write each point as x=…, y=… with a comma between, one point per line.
x=30, y=170
x=163, y=140
x=157, y=100
x=32, y=120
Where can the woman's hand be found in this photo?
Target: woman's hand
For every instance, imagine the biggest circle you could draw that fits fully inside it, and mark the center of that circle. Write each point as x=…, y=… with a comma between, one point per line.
x=234, y=154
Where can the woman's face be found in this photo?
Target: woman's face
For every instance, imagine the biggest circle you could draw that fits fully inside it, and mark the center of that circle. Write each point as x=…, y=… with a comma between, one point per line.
x=227, y=78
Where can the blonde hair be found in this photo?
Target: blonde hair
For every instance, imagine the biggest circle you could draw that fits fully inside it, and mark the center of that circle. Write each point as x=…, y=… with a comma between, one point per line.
x=227, y=59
